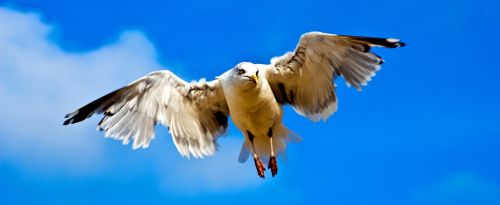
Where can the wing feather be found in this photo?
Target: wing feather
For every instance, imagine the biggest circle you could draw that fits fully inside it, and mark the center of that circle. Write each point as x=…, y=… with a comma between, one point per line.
x=195, y=113
x=304, y=78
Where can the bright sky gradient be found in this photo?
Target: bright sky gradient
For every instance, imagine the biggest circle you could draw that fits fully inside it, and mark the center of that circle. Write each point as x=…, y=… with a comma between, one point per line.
x=425, y=131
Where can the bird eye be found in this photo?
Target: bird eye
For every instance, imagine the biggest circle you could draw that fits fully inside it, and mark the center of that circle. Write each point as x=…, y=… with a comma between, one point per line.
x=240, y=71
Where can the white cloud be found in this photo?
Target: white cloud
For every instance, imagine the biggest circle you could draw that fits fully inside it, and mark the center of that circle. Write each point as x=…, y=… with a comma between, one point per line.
x=40, y=82
x=460, y=189
x=219, y=173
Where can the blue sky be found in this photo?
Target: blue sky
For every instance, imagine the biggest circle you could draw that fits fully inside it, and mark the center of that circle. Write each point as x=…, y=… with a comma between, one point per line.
x=425, y=131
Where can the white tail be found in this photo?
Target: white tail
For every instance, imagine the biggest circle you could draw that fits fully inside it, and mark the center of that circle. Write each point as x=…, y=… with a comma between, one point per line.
x=281, y=136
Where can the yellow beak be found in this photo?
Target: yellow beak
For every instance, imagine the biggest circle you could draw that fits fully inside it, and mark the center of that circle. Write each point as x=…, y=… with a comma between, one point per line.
x=255, y=78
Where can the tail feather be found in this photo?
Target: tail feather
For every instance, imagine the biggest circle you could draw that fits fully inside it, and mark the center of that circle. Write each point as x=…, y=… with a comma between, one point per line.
x=281, y=137
x=245, y=151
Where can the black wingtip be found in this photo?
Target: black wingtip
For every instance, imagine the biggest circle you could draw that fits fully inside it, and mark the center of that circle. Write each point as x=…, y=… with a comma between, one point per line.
x=68, y=121
x=384, y=42
x=394, y=43
x=71, y=117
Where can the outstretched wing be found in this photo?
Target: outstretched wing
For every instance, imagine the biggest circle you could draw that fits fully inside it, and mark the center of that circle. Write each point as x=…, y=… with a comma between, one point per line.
x=304, y=78
x=195, y=113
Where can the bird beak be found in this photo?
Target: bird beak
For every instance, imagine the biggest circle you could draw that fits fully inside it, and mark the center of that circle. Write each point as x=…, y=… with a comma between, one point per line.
x=254, y=78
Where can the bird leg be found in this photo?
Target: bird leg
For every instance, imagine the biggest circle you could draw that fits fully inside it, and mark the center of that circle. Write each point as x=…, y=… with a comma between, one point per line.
x=273, y=164
x=258, y=163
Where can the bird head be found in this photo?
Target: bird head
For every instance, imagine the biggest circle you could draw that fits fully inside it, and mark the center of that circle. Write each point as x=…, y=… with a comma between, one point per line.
x=246, y=73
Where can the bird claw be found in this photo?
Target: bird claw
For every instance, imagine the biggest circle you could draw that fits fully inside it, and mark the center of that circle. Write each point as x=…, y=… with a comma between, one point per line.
x=273, y=165
x=260, y=167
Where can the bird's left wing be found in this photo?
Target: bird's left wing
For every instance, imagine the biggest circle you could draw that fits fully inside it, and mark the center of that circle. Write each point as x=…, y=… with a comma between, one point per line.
x=304, y=78
x=195, y=113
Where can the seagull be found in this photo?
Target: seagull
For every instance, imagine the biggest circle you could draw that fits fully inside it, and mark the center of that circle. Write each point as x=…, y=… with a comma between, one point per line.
x=196, y=113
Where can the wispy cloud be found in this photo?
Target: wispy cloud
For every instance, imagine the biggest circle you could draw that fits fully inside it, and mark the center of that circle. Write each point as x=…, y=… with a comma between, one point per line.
x=40, y=82
x=221, y=172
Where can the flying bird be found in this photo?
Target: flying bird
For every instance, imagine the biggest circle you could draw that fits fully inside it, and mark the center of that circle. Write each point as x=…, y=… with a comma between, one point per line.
x=253, y=95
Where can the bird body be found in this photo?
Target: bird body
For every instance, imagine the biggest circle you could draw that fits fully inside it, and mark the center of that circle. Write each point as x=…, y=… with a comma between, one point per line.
x=253, y=106
x=252, y=94
x=255, y=111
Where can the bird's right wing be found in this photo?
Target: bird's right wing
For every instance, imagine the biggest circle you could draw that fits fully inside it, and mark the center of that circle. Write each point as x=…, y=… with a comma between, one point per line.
x=195, y=113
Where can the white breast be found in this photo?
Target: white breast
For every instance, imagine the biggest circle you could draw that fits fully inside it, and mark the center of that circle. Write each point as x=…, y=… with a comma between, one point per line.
x=254, y=110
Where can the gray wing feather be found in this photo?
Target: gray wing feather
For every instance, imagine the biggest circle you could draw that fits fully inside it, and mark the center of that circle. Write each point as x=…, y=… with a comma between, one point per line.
x=195, y=113
x=304, y=78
